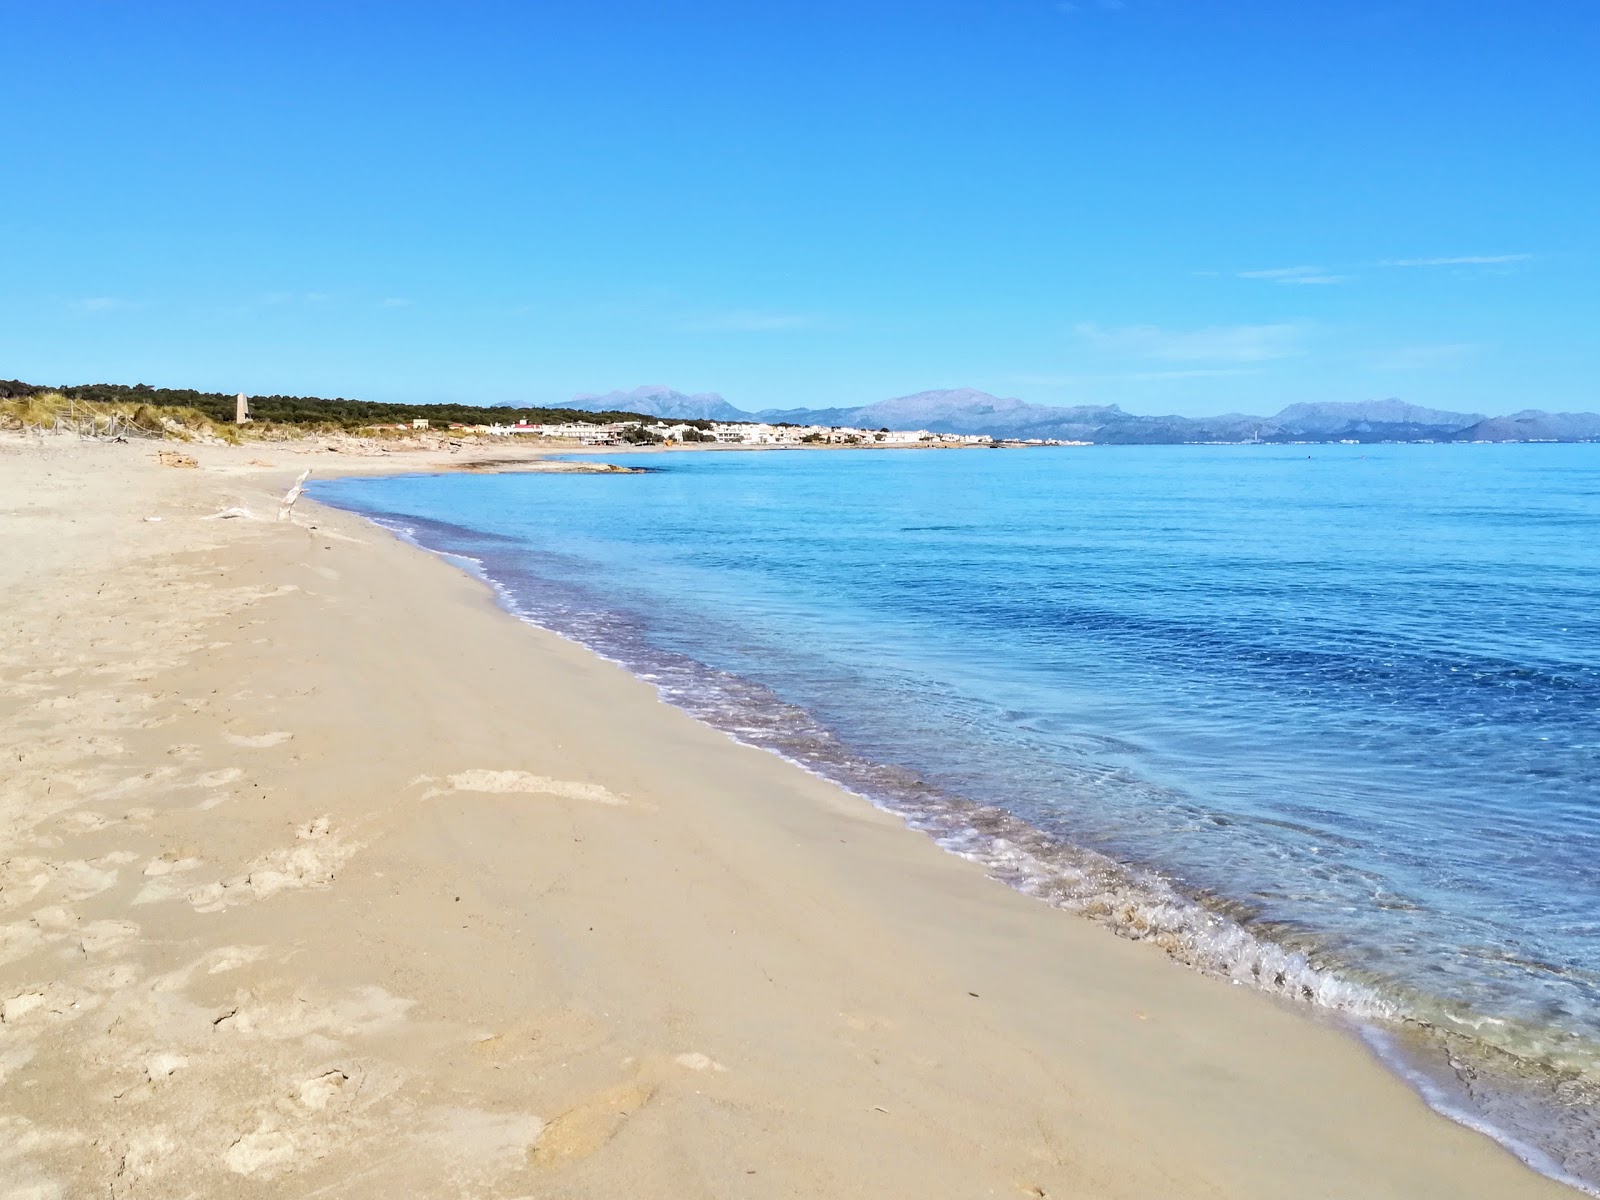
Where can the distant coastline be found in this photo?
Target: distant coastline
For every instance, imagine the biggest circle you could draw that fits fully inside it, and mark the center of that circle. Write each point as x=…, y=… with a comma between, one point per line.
x=968, y=411
x=657, y=415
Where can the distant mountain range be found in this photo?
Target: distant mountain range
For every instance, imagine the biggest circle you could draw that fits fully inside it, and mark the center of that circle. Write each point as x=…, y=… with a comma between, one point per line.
x=657, y=401
x=965, y=410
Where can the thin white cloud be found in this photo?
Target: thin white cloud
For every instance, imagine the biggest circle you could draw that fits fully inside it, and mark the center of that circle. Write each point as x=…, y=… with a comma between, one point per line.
x=396, y=302
x=1295, y=275
x=1213, y=344
x=746, y=321
x=1462, y=260
x=101, y=303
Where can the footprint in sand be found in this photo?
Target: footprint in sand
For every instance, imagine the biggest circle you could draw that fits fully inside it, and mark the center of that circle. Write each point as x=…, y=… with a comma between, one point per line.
x=311, y=864
x=170, y=863
x=212, y=962
x=20, y=691
x=260, y=741
x=22, y=879
x=14, y=1008
x=97, y=937
x=133, y=783
x=160, y=877
x=587, y=1126
x=217, y=778
x=590, y=1124
x=20, y=939
x=163, y=1066
x=53, y=1001
x=317, y=1091
x=146, y=1153
x=263, y=1152
x=57, y=919
x=512, y=782
x=695, y=1061
x=363, y=1010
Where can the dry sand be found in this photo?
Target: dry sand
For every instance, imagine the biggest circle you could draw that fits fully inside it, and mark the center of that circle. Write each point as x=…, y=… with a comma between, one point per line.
x=322, y=876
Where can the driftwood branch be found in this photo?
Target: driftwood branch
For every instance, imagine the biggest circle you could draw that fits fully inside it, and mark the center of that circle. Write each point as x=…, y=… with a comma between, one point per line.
x=286, y=505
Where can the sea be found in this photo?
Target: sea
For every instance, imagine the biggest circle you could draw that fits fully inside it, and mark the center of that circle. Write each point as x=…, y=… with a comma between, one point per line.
x=1320, y=720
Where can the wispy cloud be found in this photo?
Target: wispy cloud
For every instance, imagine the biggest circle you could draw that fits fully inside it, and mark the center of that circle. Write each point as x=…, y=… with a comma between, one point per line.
x=1420, y=358
x=1461, y=260
x=747, y=321
x=1213, y=344
x=396, y=302
x=99, y=304
x=1295, y=275
x=1074, y=7
x=1324, y=275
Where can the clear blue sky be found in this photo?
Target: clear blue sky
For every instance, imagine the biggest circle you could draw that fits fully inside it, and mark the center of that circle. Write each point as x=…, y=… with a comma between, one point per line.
x=1177, y=205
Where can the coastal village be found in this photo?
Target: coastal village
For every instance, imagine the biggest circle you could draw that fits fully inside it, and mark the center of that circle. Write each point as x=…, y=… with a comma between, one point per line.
x=737, y=434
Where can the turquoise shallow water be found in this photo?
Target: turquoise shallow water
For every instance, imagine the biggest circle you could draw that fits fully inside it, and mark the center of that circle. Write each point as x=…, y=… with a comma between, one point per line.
x=1319, y=719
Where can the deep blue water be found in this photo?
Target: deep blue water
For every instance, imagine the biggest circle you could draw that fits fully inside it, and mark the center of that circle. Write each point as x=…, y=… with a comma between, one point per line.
x=1324, y=719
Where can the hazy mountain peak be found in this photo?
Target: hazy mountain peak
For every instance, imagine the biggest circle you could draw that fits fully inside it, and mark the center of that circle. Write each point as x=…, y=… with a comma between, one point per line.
x=946, y=401
x=1334, y=414
x=658, y=400
x=1534, y=425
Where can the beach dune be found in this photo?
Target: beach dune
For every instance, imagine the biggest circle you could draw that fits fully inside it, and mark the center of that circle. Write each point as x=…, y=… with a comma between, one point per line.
x=320, y=875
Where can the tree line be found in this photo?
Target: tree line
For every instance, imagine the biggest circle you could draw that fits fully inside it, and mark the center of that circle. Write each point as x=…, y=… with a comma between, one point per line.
x=309, y=410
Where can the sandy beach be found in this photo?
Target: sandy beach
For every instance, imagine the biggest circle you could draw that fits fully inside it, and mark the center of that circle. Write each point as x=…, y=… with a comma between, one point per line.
x=321, y=875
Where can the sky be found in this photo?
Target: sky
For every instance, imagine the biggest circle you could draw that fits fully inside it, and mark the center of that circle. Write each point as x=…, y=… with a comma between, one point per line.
x=1179, y=206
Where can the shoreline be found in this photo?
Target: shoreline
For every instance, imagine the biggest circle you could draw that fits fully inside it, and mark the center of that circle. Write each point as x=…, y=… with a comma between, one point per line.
x=1522, y=1104
x=677, y=965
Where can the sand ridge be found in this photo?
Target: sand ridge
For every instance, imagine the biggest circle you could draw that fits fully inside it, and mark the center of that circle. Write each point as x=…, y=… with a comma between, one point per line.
x=321, y=876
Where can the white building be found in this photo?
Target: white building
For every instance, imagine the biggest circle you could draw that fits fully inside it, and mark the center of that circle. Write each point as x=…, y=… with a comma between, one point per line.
x=748, y=433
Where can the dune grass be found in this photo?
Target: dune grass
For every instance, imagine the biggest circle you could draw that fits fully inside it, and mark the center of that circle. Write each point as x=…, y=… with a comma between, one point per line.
x=51, y=410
